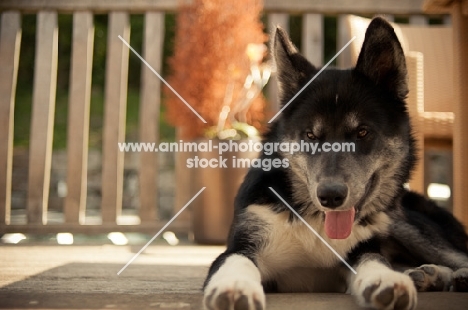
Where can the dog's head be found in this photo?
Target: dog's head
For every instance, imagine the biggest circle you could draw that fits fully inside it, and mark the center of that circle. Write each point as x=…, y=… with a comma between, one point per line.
x=358, y=121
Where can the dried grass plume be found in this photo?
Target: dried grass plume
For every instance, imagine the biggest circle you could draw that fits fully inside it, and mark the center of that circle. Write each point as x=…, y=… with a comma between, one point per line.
x=209, y=54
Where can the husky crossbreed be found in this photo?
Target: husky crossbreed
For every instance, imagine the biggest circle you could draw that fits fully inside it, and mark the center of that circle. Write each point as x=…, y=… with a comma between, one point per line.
x=395, y=241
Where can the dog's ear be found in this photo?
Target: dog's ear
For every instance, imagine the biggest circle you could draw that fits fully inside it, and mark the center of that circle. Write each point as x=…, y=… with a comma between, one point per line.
x=293, y=69
x=382, y=59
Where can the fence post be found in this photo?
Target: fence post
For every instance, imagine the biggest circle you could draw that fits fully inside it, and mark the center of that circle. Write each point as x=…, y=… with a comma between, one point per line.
x=114, y=116
x=312, y=38
x=149, y=114
x=10, y=38
x=78, y=117
x=45, y=82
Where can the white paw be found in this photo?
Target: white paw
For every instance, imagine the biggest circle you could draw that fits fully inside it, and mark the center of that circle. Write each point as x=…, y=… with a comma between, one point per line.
x=385, y=289
x=431, y=278
x=235, y=286
x=234, y=294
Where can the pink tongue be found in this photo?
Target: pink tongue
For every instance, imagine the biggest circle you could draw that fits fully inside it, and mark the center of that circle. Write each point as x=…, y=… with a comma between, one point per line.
x=338, y=224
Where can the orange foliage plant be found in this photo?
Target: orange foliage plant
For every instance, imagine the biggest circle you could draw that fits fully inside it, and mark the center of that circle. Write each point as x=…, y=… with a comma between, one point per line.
x=210, y=62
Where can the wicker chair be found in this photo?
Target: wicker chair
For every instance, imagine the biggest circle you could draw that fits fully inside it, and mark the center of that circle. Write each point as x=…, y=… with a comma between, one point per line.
x=428, y=51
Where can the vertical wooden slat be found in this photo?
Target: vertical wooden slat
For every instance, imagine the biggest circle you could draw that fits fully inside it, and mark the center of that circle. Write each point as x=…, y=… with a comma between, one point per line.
x=390, y=17
x=40, y=151
x=114, y=116
x=10, y=38
x=278, y=19
x=312, y=38
x=344, y=60
x=460, y=130
x=274, y=20
x=149, y=113
x=447, y=20
x=418, y=20
x=78, y=116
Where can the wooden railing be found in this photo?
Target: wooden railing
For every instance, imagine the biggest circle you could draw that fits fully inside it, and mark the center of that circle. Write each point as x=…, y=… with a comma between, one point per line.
x=44, y=89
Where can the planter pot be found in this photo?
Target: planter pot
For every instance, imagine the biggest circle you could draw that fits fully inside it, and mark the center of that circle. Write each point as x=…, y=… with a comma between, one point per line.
x=213, y=210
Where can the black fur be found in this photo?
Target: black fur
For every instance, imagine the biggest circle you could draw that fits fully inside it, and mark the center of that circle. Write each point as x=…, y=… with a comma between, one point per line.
x=336, y=107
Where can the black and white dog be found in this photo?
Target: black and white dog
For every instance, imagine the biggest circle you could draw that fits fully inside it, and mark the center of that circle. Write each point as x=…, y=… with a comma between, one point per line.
x=356, y=200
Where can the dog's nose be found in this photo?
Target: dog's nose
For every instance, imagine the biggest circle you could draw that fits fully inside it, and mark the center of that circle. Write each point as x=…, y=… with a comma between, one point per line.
x=332, y=195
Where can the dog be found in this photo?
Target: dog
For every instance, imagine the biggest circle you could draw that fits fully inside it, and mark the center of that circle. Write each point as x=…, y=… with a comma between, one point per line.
x=395, y=241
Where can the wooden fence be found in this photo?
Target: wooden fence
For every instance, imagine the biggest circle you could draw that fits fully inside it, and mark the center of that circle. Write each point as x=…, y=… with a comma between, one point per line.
x=44, y=90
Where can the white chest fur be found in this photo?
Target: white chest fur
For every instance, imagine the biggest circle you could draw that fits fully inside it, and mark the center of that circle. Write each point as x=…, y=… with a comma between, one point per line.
x=290, y=249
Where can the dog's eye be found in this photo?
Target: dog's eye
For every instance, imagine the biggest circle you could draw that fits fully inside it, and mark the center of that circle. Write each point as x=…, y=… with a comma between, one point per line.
x=310, y=135
x=362, y=132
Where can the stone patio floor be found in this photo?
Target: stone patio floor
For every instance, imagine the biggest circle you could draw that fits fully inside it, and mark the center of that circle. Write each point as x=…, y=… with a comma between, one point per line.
x=162, y=277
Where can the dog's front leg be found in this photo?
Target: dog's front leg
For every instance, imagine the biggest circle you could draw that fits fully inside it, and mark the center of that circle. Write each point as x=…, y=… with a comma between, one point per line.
x=234, y=282
x=377, y=286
